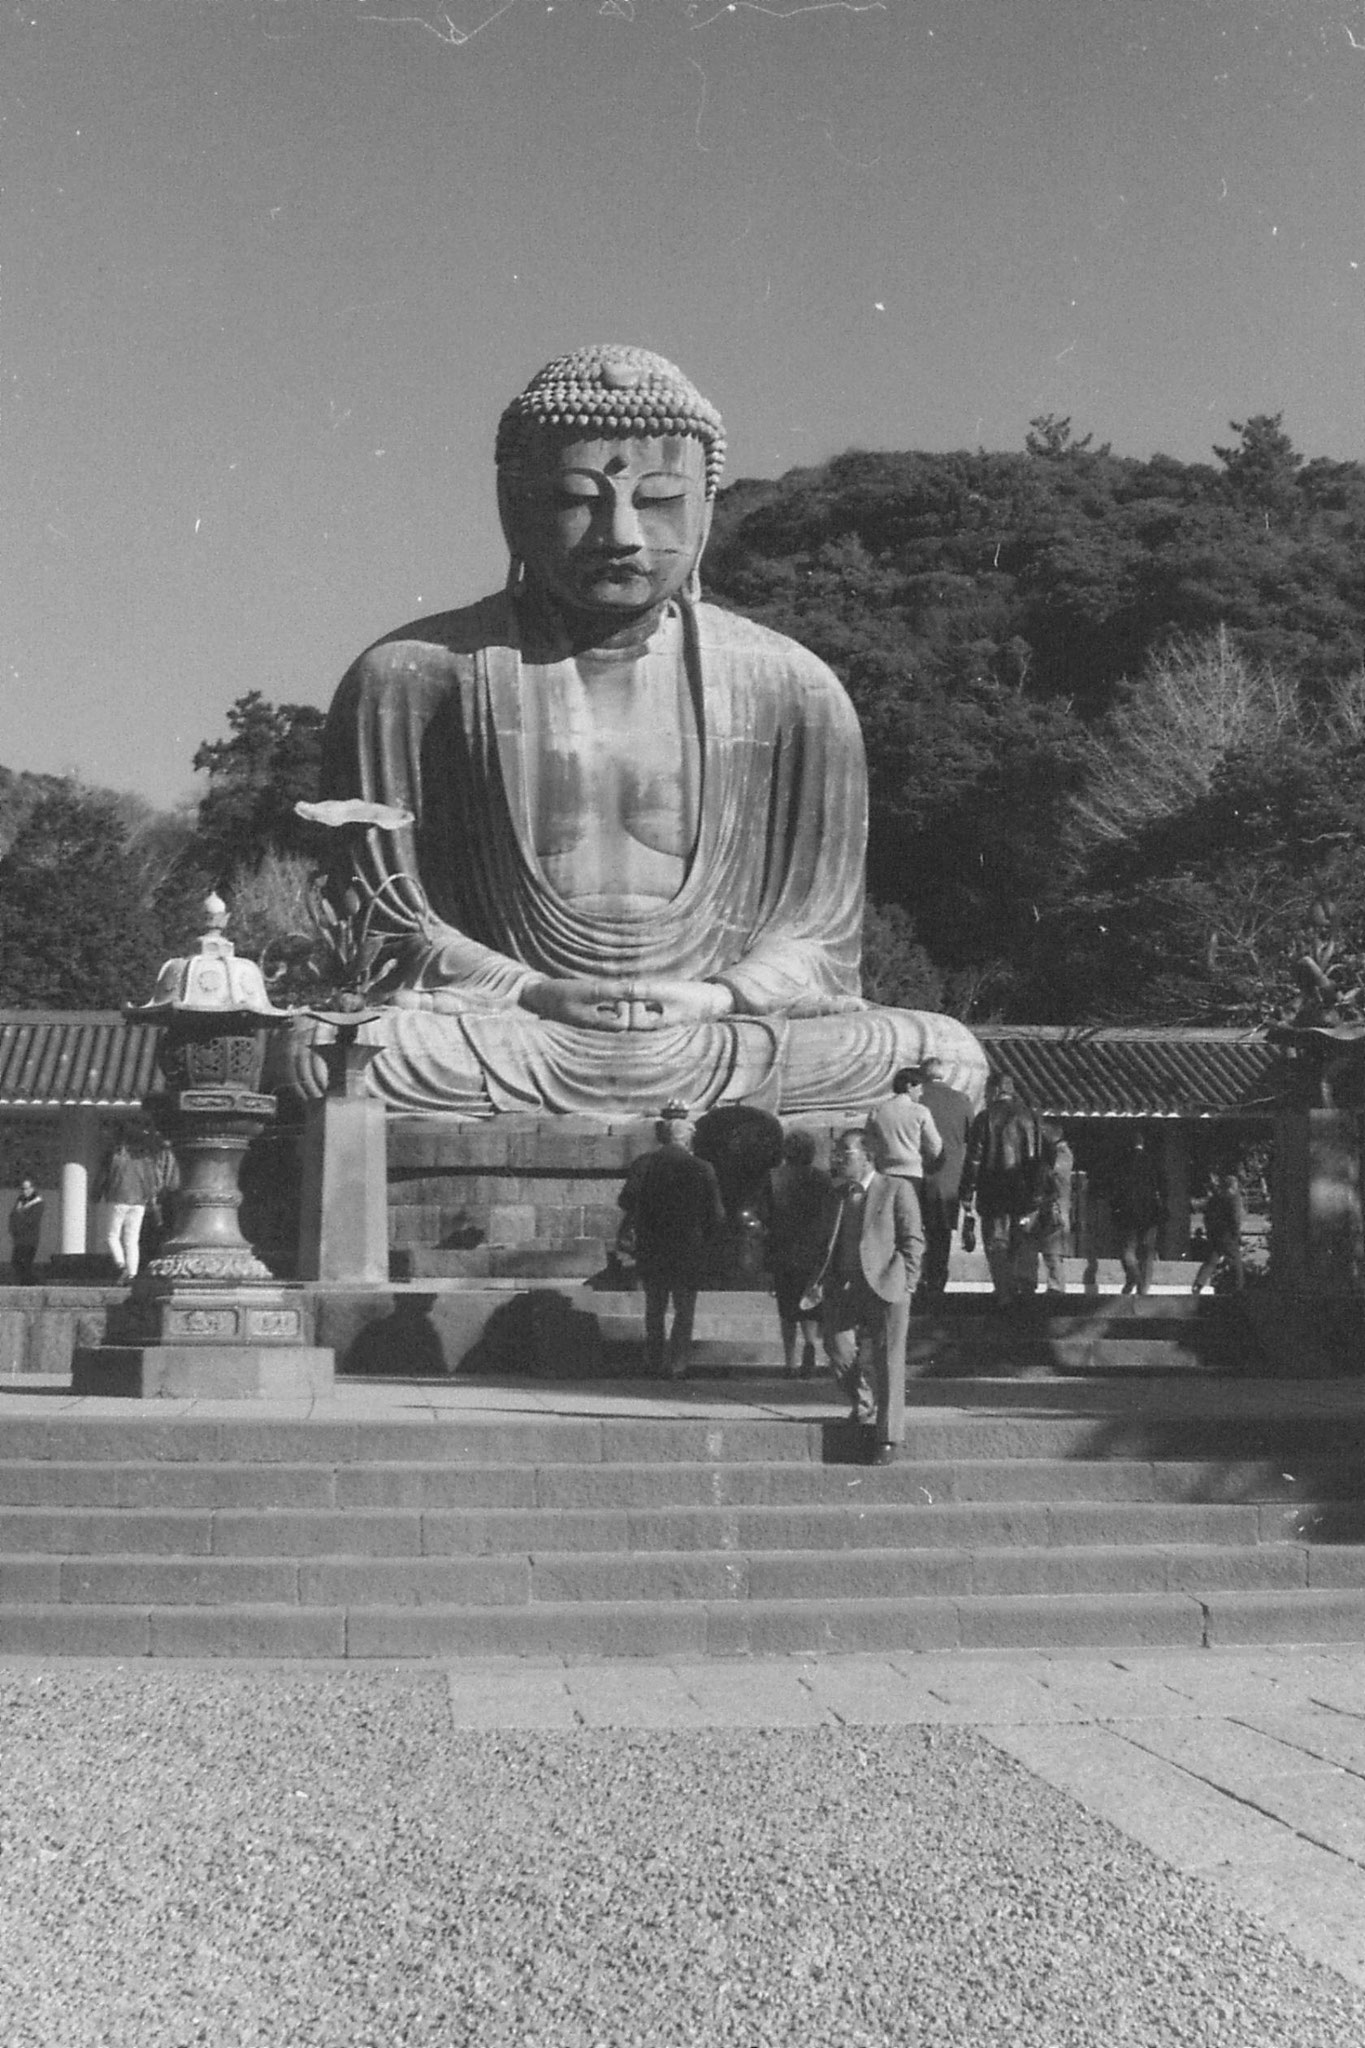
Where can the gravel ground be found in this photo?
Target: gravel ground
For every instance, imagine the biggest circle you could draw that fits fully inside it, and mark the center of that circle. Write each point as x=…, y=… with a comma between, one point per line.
x=232, y=1856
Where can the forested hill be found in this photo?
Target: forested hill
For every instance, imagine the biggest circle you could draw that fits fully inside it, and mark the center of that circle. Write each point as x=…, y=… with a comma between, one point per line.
x=19, y=792
x=1017, y=629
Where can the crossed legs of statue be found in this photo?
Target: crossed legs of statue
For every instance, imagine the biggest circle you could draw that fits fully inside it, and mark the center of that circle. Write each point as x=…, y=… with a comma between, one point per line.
x=865, y=1342
x=667, y=1352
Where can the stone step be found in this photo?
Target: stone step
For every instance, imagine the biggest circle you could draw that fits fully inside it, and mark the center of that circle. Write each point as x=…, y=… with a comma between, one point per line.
x=687, y=1628
x=162, y=1490
x=415, y=1487
x=1179, y=1420
x=975, y=1312
x=306, y=1534
x=594, y=1578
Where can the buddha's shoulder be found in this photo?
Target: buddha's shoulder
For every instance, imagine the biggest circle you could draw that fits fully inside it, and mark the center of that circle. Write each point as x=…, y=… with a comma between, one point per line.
x=764, y=653
x=439, y=648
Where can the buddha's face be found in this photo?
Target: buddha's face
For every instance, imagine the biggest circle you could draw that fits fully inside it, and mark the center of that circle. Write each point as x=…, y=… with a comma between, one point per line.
x=608, y=527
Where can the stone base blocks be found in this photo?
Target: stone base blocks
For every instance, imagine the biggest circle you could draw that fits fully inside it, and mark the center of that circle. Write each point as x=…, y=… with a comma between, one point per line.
x=236, y=1372
x=1156, y=1515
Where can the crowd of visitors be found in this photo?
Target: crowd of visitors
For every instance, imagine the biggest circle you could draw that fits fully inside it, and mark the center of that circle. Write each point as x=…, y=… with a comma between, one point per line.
x=848, y=1251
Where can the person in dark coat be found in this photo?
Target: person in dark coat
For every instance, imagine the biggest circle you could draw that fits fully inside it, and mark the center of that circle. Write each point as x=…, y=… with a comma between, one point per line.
x=673, y=1214
x=1002, y=1176
x=941, y=1202
x=25, y=1229
x=798, y=1212
x=1222, y=1233
x=1137, y=1203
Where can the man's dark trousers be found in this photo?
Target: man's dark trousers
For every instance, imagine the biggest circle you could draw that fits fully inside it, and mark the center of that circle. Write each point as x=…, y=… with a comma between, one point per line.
x=671, y=1354
x=940, y=1213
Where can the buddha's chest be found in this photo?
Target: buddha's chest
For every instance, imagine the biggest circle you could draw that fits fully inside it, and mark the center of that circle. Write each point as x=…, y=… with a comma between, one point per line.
x=611, y=766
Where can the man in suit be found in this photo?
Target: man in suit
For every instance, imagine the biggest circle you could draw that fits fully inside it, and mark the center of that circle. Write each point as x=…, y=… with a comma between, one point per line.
x=941, y=1201
x=876, y=1248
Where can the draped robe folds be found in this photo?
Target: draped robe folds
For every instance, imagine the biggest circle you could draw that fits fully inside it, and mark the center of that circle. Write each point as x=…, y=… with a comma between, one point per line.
x=770, y=906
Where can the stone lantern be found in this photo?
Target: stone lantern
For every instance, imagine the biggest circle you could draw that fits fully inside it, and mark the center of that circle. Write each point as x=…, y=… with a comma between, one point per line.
x=216, y=1015
x=206, y=1315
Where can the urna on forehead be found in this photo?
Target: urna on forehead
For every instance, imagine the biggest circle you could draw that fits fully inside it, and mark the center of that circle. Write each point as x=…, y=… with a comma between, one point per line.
x=615, y=393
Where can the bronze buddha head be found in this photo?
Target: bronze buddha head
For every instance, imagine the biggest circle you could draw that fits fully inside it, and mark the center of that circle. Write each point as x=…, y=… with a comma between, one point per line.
x=608, y=465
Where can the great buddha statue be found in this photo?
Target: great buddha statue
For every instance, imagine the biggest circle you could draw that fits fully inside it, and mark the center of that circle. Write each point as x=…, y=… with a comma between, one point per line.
x=633, y=866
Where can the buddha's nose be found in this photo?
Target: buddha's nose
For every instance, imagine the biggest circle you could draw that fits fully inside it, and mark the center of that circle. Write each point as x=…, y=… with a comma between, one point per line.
x=624, y=530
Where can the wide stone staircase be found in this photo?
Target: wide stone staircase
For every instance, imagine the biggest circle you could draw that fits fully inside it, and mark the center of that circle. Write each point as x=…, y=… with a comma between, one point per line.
x=1064, y=1482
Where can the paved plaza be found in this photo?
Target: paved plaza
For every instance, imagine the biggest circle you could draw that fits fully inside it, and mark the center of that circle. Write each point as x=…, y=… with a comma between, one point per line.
x=1244, y=1768
x=999, y=1851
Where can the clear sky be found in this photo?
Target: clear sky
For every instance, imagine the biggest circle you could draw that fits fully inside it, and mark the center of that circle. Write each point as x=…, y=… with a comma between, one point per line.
x=269, y=270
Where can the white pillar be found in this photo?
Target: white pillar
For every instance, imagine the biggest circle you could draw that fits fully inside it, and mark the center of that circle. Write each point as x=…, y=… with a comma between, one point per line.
x=78, y=1136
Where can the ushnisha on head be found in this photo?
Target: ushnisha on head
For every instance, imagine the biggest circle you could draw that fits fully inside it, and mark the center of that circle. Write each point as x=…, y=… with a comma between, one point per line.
x=608, y=466
x=615, y=392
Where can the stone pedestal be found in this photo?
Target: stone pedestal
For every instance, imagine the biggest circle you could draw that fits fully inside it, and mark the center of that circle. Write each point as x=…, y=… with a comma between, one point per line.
x=1318, y=1231
x=1311, y=1320
x=344, y=1224
x=215, y=1372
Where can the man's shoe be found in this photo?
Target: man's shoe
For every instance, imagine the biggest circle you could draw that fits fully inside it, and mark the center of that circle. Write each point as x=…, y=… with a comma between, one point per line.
x=885, y=1454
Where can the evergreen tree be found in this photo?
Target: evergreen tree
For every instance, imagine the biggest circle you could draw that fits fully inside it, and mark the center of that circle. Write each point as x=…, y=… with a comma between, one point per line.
x=272, y=758
x=77, y=928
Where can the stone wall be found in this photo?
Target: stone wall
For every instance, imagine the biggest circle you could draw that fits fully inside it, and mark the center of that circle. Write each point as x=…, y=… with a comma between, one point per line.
x=506, y=1196
x=518, y=1195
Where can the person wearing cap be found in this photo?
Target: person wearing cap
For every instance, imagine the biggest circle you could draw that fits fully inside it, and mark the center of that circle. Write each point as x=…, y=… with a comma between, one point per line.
x=673, y=1213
